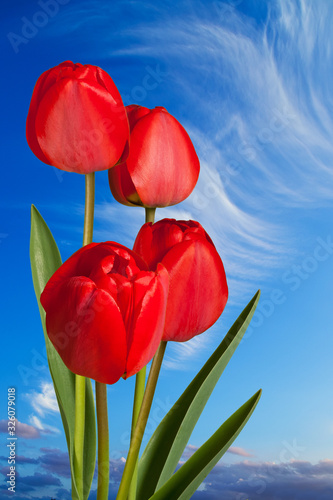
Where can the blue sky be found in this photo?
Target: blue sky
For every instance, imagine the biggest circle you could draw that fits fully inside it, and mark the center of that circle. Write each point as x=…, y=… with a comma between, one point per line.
x=251, y=83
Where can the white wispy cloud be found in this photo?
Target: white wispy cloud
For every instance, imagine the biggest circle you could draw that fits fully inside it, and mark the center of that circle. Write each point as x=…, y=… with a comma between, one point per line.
x=179, y=353
x=45, y=401
x=257, y=108
x=116, y=222
x=42, y=427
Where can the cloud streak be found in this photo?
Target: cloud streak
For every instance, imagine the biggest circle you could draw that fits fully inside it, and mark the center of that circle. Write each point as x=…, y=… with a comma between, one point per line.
x=258, y=115
x=44, y=402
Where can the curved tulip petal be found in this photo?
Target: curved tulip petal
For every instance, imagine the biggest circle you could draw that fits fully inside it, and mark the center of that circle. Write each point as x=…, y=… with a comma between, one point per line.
x=69, y=268
x=154, y=248
x=86, y=329
x=31, y=118
x=134, y=113
x=122, y=186
x=71, y=131
x=84, y=261
x=148, y=321
x=198, y=289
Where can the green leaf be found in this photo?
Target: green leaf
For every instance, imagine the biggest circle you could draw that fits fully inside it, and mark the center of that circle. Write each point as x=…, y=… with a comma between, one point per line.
x=166, y=446
x=188, y=478
x=45, y=260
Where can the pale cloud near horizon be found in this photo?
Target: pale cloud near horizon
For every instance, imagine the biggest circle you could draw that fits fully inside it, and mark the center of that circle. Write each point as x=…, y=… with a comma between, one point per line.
x=22, y=430
x=234, y=450
x=295, y=479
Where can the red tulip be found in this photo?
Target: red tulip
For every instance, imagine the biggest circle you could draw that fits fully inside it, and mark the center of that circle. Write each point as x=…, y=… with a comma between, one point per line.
x=162, y=167
x=198, y=289
x=105, y=311
x=77, y=121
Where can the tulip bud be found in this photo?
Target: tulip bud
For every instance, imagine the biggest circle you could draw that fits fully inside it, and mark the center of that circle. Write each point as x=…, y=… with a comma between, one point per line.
x=198, y=290
x=162, y=167
x=105, y=311
x=76, y=120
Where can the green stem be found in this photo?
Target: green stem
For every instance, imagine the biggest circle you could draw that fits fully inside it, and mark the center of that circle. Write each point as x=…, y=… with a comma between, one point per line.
x=89, y=209
x=150, y=214
x=103, y=442
x=80, y=402
x=139, y=389
x=80, y=382
x=138, y=397
x=136, y=440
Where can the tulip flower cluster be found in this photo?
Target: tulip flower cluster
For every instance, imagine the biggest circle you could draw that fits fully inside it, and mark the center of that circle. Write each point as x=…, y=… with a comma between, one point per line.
x=110, y=310
x=77, y=122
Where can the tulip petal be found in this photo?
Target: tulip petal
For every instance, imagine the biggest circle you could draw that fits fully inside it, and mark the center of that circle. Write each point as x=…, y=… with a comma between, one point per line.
x=134, y=113
x=43, y=83
x=122, y=187
x=154, y=246
x=93, y=342
x=148, y=322
x=72, y=130
x=71, y=267
x=31, y=119
x=81, y=263
x=198, y=289
x=162, y=161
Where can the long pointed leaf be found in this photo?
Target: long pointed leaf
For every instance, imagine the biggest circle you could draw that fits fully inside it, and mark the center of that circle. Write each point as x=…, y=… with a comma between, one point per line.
x=188, y=478
x=166, y=446
x=45, y=260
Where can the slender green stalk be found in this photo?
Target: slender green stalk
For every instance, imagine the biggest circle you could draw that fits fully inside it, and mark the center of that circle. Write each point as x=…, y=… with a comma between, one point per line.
x=150, y=214
x=89, y=209
x=138, y=397
x=80, y=382
x=80, y=402
x=139, y=389
x=103, y=442
x=136, y=440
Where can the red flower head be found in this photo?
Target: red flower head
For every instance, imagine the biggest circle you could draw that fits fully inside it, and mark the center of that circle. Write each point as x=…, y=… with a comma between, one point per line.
x=105, y=312
x=77, y=121
x=198, y=289
x=162, y=167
